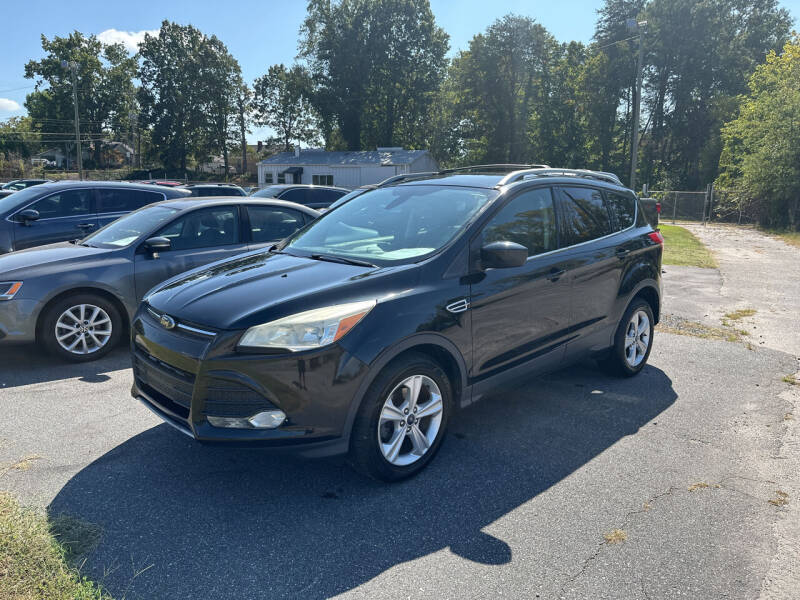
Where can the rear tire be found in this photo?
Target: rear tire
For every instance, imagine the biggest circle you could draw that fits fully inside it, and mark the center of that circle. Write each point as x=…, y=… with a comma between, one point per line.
x=81, y=327
x=402, y=419
x=632, y=341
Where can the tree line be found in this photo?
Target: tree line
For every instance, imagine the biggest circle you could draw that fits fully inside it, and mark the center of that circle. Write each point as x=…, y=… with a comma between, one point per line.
x=377, y=73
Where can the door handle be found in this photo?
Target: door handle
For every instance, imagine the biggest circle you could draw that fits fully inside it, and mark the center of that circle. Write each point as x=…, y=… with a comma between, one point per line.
x=85, y=225
x=555, y=274
x=621, y=252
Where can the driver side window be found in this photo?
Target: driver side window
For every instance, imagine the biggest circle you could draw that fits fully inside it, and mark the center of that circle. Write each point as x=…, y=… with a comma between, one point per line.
x=203, y=229
x=528, y=220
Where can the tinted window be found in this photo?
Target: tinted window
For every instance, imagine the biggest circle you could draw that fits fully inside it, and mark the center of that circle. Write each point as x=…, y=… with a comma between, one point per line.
x=296, y=195
x=623, y=209
x=269, y=224
x=585, y=215
x=528, y=219
x=272, y=191
x=69, y=203
x=203, y=229
x=110, y=200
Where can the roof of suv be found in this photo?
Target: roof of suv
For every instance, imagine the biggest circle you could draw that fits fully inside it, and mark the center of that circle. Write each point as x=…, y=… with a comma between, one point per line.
x=492, y=181
x=286, y=186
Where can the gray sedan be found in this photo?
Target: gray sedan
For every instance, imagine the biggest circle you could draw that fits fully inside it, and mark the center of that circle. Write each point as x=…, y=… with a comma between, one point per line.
x=76, y=298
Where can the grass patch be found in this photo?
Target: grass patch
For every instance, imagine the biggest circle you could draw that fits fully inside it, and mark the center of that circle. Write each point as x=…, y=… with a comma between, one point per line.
x=780, y=499
x=683, y=248
x=616, y=537
x=37, y=555
x=790, y=237
x=697, y=486
x=739, y=314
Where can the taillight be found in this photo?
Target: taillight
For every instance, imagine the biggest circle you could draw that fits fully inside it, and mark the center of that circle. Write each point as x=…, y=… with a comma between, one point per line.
x=656, y=237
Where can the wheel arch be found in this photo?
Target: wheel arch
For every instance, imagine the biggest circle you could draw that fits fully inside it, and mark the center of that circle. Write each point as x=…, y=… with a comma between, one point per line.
x=103, y=293
x=438, y=348
x=649, y=293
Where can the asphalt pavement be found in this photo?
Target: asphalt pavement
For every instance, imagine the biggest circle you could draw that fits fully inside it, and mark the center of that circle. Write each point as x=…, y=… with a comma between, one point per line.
x=517, y=504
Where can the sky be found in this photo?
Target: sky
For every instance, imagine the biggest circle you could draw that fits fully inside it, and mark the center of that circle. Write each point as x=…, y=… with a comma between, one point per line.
x=258, y=33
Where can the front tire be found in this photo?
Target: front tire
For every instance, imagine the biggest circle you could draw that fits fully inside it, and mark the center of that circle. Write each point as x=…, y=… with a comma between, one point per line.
x=81, y=328
x=632, y=342
x=402, y=419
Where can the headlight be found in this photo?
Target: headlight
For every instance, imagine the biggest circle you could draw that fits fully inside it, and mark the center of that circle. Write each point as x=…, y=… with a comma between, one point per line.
x=307, y=330
x=9, y=289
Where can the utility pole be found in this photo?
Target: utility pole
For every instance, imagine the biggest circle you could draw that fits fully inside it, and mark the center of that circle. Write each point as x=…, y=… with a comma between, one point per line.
x=73, y=67
x=640, y=26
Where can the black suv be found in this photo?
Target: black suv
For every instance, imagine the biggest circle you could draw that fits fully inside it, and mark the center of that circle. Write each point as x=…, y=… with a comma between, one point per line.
x=206, y=190
x=312, y=196
x=365, y=330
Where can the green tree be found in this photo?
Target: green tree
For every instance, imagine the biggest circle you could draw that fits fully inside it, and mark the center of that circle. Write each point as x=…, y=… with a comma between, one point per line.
x=761, y=147
x=188, y=94
x=281, y=102
x=376, y=65
x=106, y=94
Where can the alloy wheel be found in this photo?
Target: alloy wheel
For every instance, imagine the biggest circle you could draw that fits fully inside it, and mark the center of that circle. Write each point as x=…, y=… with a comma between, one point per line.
x=410, y=420
x=637, y=338
x=83, y=329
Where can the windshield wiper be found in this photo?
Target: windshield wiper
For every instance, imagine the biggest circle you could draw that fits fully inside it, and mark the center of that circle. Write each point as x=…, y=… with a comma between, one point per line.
x=342, y=260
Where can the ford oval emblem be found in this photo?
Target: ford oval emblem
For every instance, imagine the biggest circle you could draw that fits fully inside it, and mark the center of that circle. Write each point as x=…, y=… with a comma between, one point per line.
x=167, y=322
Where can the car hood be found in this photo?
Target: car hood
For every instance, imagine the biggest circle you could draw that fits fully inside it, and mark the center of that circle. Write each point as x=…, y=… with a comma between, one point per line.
x=46, y=259
x=260, y=287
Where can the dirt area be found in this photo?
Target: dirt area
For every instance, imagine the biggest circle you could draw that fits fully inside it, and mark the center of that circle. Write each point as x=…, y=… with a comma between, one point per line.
x=756, y=271
x=753, y=298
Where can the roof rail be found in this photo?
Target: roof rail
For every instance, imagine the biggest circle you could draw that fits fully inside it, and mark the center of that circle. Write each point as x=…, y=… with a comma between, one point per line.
x=548, y=172
x=405, y=177
x=505, y=168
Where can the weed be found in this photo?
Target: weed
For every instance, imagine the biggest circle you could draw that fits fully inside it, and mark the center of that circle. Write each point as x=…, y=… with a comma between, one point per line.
x=616, y=537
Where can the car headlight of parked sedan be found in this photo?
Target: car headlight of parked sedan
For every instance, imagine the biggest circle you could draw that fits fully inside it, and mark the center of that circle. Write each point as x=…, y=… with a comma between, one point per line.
x=307, y=330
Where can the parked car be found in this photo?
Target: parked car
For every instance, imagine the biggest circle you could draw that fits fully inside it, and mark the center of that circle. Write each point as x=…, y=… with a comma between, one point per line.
x=371, y=186
x=164, y=182
x=203, y=190
x=365, y=330
x=4, y=193
x=67, y=210
x=76, y=299
x=313, y=196
x=21, y=184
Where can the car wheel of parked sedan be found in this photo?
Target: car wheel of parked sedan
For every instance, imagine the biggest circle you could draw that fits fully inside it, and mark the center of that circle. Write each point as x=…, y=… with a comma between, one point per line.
x=402, y=419
x=632, y=342
x=81, y=328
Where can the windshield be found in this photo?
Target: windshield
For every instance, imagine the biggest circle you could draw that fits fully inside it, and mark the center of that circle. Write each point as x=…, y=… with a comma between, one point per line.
x=392, y=225
x=126, y=230
x=347, y=197
x=269, y=192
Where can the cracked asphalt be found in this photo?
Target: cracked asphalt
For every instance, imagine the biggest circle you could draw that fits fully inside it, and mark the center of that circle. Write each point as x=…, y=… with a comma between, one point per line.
x=683, y=459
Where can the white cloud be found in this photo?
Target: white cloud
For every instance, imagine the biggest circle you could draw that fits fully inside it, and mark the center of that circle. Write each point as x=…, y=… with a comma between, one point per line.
x=7, y=105
x=129, y=39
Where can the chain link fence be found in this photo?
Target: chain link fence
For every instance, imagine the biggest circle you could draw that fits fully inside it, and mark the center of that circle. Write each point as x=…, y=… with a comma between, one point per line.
x=728, y=206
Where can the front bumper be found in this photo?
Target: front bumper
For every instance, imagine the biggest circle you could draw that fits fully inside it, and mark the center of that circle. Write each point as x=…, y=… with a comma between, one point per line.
x=185, y=377
x=18, y=320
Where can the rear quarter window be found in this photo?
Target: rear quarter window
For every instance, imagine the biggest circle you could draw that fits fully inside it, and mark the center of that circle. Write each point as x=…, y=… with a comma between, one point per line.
x=623, y=210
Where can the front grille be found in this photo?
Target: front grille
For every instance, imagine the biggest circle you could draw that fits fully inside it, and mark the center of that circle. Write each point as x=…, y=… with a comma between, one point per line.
x=225, y=398
x=167, y=381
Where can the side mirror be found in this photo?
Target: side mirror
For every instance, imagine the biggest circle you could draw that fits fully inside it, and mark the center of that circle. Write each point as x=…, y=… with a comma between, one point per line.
x=28, y=216
x=157, y=244
x=503, y=255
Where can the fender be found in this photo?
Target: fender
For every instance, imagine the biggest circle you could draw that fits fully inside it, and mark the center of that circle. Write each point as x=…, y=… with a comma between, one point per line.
x=377, y=365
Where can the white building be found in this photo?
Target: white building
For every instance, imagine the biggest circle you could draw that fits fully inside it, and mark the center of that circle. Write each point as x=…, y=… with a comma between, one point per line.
x=342, y=169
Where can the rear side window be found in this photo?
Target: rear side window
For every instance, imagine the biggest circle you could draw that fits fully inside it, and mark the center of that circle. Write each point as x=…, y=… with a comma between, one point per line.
x=296, y=195
x=529, y=220
x=585, y=216
x=69, y=203
x=623, y=210
x=269, y=224
x=111, y=200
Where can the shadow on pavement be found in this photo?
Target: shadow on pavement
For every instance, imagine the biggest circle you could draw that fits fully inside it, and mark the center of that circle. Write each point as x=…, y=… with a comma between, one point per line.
x=25, y=364
x=223, y=523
